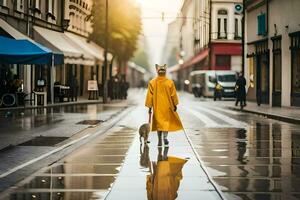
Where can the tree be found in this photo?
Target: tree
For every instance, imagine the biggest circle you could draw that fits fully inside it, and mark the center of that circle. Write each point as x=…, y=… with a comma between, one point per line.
x=124, y=27
x=141, y=58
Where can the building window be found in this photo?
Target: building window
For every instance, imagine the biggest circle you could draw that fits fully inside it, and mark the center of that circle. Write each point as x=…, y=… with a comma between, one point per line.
x=261, y=24
x=223, y=60
x=51, y=6
x=222, y=24
x=237, y=27
x=19, y=5
x=295, y=50
x=3, y=3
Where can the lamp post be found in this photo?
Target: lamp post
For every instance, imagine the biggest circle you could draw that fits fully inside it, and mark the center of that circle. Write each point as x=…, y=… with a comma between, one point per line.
x=104, y=74
x=243, y=36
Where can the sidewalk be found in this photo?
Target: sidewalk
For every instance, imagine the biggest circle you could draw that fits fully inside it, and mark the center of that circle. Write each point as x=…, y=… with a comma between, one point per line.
x=286, y=114
x=151, y=172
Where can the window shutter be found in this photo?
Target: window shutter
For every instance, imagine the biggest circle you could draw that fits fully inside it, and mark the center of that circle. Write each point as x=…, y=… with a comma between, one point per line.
x=263, y=24
x=258, y=25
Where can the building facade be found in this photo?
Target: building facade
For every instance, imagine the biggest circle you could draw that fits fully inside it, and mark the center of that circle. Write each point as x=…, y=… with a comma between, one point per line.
x=226, y=35
x=272, y=52
x=17, y=19
x=172, y=47
x=63, y=27
x=210, y=37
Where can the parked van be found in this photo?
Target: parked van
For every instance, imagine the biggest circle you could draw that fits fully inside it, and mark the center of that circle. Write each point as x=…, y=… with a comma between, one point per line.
x=203, y=82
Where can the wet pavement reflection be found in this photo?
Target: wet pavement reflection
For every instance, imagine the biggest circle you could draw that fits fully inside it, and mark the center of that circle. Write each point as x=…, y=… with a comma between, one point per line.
x=261, y=162
x=87, y=173
x=32, y=118
x=166, y=174
x=108, y=168
x=23, y=125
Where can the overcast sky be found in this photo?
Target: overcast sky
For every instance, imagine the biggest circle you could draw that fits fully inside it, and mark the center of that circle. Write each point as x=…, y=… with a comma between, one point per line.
x=155, y=29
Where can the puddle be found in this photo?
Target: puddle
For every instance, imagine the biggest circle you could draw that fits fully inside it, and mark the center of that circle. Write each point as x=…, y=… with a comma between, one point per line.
x=44, y=141
x=90, y=122
x=70, y=182
x=83, y=169
x=59, y=195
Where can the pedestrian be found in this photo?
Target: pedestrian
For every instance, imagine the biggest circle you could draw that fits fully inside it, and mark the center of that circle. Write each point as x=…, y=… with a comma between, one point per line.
x=73, y=88
x=240, y=90
x=217, y=91
x=162, y=97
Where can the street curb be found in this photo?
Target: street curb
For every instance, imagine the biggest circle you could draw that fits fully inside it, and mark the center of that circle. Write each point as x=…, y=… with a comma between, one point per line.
x=268, y=115
x=51, y=105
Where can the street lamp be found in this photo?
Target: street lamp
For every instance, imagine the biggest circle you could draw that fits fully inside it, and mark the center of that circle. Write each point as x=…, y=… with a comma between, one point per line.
x=104, y=74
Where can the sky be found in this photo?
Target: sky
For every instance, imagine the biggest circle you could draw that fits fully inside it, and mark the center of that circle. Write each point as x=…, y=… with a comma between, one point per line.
x=155, y=30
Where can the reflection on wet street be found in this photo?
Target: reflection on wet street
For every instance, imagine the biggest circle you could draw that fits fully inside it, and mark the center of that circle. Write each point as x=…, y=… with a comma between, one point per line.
x=259, y=162
x=166, y=174
x=162, y=173
x=22, y=125
x=87, y=173
x=32, y=118
x=248, y=157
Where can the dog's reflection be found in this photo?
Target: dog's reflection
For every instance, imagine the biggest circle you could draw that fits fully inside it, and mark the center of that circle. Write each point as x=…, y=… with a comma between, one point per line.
x=165, y=176
x=144, y=156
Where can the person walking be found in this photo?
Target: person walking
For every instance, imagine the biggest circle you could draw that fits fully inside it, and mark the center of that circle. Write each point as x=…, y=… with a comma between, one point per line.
x=240, y=89
x=217, y=91
x=162, y=97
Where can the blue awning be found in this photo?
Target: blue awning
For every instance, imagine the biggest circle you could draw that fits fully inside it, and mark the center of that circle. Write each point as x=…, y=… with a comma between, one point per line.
x=26, y=52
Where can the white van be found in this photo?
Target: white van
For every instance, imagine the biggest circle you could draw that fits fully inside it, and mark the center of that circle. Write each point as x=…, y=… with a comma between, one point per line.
x=203, y=82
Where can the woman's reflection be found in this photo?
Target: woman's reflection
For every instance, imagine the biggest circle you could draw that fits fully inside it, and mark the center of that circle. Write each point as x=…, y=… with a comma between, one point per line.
x=165, y=177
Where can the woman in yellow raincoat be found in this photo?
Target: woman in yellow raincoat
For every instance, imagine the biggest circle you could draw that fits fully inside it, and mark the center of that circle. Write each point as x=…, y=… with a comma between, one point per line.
x=165, y=177
x=162, y=97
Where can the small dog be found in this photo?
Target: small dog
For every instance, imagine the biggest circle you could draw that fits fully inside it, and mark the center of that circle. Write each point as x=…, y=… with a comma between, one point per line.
x=144, y=131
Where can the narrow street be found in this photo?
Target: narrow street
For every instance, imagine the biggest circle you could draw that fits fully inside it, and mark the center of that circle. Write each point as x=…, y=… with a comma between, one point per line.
x=222, y=154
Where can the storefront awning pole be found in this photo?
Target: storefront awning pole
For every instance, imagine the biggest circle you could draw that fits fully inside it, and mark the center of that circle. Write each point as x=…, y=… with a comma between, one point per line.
x=52, y=80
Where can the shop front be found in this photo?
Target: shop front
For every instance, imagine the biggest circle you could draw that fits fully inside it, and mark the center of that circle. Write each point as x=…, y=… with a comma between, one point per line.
x=295, y=58
x=15, y=54
x=277, y=72
x=262, y=72
x=73, y=73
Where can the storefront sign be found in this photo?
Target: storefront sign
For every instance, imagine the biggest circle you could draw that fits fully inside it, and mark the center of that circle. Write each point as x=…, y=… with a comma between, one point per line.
x=92, y=85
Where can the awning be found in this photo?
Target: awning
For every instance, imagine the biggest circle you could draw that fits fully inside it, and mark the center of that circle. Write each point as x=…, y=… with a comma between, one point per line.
x=73, y=53
x=136, y=67
x=201, y=56
x=173, y=68
x=89, y=47
x=26, y=52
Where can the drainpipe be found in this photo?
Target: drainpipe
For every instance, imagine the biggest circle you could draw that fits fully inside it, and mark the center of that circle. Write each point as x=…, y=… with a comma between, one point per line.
x=267, y=31
x=28, y=26
x=63, y=14
x=210, y=34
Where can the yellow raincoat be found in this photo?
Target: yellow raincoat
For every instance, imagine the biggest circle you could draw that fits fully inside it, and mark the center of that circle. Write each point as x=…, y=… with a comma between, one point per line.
x=163, y=184
x=163, y=98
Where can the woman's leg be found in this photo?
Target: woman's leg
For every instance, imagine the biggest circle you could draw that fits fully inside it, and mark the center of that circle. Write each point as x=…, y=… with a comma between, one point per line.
x=159, y=135
x=166, y=142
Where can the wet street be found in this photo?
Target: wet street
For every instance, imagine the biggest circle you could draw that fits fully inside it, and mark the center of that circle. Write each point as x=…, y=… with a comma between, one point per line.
x=222, y=154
